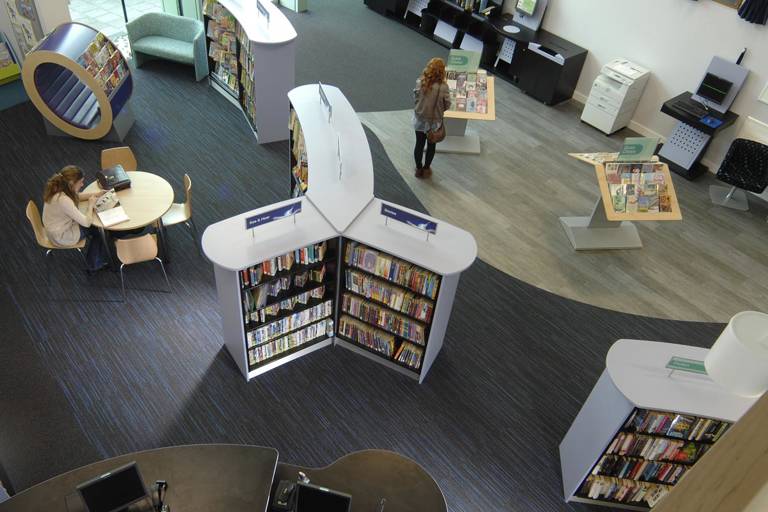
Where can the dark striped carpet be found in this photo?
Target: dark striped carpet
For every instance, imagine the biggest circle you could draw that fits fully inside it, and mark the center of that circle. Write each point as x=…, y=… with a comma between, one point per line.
x=85, y=377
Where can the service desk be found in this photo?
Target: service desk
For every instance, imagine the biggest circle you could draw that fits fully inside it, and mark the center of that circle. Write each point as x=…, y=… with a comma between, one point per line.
x=240, y=478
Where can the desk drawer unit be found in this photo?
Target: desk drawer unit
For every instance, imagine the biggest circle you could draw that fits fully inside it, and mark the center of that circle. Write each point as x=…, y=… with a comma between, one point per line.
x=614, y=95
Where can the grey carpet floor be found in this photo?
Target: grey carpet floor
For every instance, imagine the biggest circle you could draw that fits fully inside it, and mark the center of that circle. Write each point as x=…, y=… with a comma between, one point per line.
x=85, y=377
x=373, y=59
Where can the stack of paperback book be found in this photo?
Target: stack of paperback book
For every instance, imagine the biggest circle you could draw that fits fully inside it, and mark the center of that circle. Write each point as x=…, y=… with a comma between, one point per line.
x=274, y=348
x=388, y=320
x=410, y=355
x=259, y=316
x=364, y=334
x=623, y=491
x=305, y=256
x=676, y=425
x=396, y=298
x=289, y=323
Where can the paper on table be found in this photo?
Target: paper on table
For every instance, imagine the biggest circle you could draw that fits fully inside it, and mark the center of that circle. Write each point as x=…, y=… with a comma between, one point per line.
x=113, y=216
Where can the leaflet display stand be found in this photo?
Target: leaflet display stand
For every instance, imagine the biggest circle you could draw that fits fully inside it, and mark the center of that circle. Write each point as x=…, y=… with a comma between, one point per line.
x=340, y=256
x=81, y=83
x=457, y=140
x=606, y=229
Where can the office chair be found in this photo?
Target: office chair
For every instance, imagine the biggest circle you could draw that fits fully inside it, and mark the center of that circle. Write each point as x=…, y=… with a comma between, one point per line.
x=745, y=167
x=33, y=214
x=138, y=250
x=182, y=212
x=122, y=155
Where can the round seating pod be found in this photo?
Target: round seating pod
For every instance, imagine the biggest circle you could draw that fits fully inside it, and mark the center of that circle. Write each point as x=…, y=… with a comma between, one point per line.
x=78, y=80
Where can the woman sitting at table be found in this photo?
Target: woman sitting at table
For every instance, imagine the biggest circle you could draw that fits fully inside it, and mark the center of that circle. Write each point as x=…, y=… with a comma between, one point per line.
x=64, y=223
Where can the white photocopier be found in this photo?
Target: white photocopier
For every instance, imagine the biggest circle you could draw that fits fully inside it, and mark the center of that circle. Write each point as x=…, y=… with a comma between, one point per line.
x=614, y=96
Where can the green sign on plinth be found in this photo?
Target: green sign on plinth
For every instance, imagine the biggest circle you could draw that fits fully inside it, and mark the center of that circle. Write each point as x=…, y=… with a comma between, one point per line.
x=687, y=365
x=463, y=60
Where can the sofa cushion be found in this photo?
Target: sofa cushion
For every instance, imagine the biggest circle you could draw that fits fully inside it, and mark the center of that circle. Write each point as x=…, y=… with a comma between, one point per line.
x=165, y=47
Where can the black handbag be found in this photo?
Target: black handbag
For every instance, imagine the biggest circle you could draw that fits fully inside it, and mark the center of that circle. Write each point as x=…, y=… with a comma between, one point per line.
x=114, y=177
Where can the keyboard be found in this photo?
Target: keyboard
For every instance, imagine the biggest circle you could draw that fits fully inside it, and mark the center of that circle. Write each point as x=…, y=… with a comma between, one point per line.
x=692, y=108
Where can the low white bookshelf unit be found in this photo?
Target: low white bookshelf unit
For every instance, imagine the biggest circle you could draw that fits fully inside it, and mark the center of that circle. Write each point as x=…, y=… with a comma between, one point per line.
x=643, y=426
x=337, y=265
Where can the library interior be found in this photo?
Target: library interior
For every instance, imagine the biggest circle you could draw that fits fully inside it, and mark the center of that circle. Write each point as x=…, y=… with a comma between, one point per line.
x=525, y=269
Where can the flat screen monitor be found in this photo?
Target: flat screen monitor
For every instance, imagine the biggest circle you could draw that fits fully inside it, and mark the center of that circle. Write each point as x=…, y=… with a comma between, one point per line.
x=113, y=491
x=527, y=7
x=714, y=88
x=312, y=498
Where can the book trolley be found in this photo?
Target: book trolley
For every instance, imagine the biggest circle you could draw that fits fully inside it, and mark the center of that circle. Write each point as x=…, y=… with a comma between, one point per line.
x=644, y=425
x=336, y=266
x=80, y=82
x=251, y=54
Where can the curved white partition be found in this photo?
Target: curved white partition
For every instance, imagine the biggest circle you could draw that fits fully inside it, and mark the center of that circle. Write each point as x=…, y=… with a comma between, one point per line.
x=271, y=70
x=339, y=194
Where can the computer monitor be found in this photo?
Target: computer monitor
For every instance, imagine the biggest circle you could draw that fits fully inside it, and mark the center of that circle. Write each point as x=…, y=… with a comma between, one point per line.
x=313, y=498
x=113, y=491
x=527, y=7
x=714, y=88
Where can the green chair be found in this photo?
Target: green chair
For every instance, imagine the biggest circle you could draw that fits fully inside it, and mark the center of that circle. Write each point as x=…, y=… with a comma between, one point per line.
x=165, y=36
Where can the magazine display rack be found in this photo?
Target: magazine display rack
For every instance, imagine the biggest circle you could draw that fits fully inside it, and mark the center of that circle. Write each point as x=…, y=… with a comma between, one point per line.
x=336, y=266
x=252, y=54
x=80, y=82
x=644, y=425
x=464, y=109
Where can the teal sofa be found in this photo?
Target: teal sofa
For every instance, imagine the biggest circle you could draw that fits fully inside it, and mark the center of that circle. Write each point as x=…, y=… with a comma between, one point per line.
x=165, y=36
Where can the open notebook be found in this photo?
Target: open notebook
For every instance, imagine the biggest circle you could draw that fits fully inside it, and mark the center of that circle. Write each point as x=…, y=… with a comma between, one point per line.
x=109, y=210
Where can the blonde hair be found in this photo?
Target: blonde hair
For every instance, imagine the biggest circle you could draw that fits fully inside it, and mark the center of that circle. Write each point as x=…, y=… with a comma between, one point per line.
x=62, y=181
x=434, y=73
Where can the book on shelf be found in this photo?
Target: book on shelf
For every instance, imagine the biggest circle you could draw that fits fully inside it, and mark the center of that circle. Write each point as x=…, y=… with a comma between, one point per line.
x=256, y=297
x=656, y=448
x=382, y=317
x=366, y=335
x=304, y=256
x=639, y=469
x=410, y=355
x=289, y=323
x=268, y=313
x=392, y=269
x=622, y=490
x=394, y=297
x=676, y=425
x=261, y=353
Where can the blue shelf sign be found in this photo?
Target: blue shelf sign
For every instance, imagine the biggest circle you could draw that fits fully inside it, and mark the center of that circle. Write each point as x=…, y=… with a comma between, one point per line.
x=288, y=210
x=408, y=218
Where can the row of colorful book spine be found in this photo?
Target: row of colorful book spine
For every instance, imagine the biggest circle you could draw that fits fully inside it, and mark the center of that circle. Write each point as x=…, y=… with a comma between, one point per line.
x=639, y=469
x=289, y=323
x=380, y=316
x=392, y=269
x=656, y=448
x=610, y=488
x=269, y=313
x=394, y=297
x=256, y=297
x=309, y=255
x=262, y=353
x=366, y=335
x=679, y=426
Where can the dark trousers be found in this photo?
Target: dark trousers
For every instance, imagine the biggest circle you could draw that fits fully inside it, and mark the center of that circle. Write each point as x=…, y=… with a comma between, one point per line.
x=95, y=252
x=418, y=151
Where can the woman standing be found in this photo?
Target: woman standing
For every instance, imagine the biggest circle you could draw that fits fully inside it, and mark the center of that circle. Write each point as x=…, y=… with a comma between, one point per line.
x=64, y=223
x=432, y=100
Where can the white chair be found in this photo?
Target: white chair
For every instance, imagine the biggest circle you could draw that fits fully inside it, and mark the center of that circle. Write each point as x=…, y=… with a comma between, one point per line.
x=182, y=212
x=33, y=214
x=138, y=250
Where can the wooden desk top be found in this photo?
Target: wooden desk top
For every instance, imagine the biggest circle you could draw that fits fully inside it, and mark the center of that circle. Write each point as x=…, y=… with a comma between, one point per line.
x=488, y=116
x=370, y=475
x=201, y=478
x=148, y=199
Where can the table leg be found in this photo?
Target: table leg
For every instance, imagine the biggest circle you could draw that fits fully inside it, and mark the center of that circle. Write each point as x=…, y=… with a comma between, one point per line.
x=164, y=250
x=457, y=139
x=597, y=232
x=105, y=240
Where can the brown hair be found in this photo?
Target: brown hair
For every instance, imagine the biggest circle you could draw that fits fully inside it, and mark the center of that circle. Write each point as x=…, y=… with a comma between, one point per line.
x=62, y=181
x=434, y=73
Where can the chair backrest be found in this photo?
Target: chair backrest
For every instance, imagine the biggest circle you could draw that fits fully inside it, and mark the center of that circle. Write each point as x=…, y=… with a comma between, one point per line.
x=33, y=214
x=123, y=156
x=746, y=165
x=187, y=196
x=136, y=250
